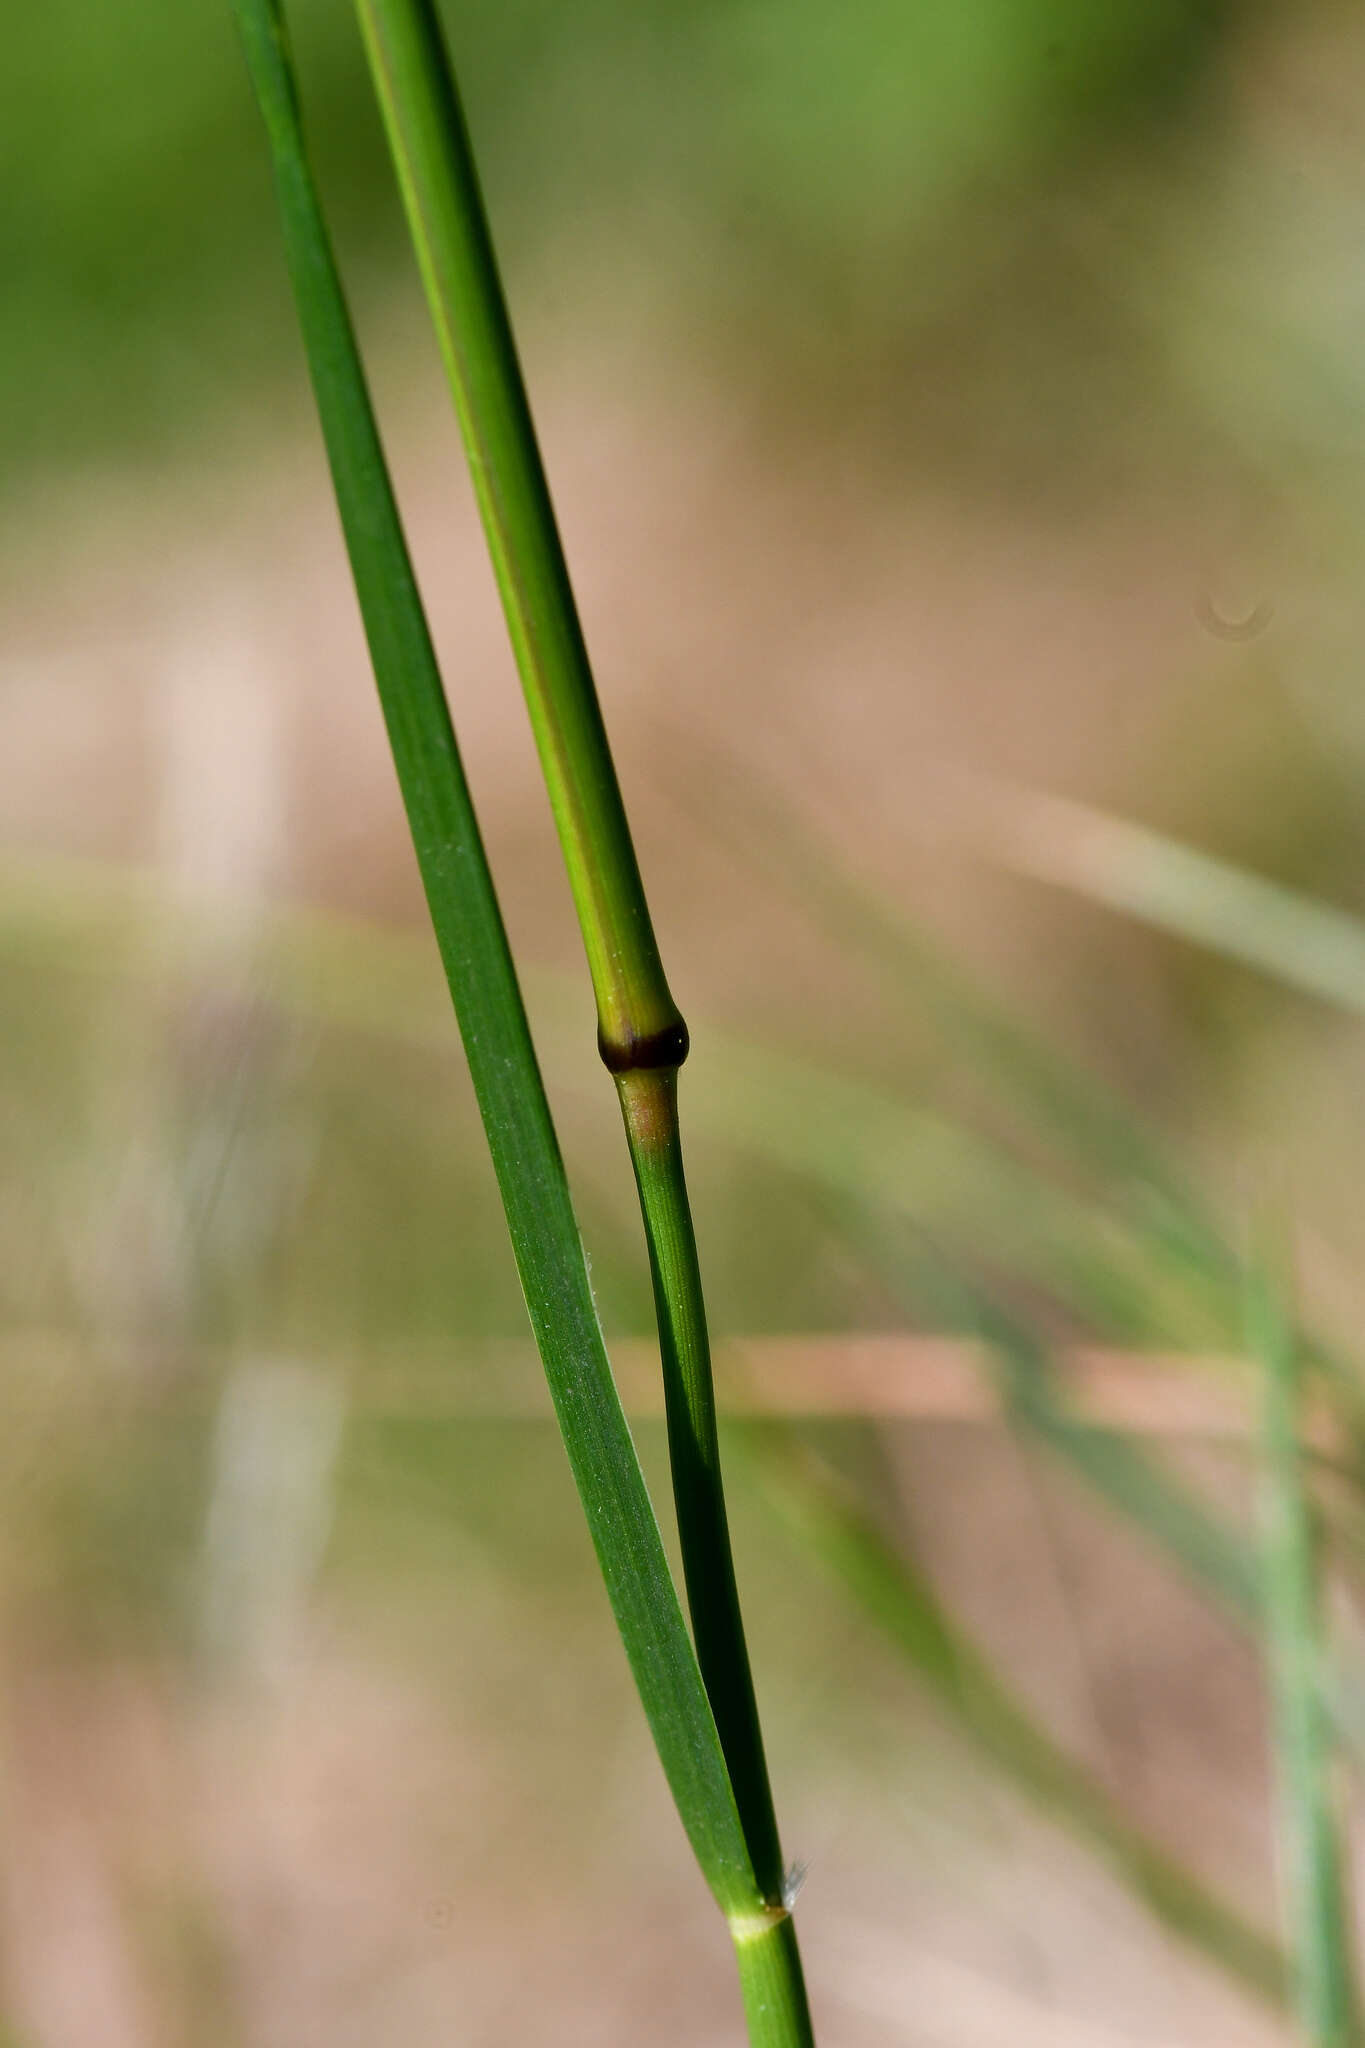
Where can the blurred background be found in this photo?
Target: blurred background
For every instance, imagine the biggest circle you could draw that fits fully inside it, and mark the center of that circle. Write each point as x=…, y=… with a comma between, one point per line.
x=955, y=417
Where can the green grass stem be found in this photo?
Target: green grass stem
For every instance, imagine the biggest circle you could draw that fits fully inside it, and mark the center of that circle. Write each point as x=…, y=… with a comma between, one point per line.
x=434, y=160
x=771, y=1983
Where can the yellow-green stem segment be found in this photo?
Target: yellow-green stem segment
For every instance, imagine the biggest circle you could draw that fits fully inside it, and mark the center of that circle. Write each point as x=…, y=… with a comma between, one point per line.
x=436, y=172
x=641, y=1034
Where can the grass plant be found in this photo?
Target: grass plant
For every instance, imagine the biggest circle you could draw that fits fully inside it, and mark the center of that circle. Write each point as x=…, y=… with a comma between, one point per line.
x=1020, y=1206
x=641, y=1034
x=719, y=1780
x=1127, y=1246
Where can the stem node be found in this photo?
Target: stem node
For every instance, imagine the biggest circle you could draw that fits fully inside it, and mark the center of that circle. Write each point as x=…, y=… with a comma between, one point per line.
x=627, y=1051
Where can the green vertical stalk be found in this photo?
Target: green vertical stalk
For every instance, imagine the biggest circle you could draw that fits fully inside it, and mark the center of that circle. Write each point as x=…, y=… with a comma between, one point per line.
x=771, y=1983
x=638, y=1018
x=1312, y=1872
x=641, y=1034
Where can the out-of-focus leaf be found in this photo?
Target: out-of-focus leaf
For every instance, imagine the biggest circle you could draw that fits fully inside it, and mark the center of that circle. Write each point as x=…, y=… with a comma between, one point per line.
x=1294, y=939
x=848, y=1544
x=1311, y=1856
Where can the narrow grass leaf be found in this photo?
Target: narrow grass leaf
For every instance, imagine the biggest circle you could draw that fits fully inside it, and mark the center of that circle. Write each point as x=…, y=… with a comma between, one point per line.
x=492, y=1019
x=1292, y=938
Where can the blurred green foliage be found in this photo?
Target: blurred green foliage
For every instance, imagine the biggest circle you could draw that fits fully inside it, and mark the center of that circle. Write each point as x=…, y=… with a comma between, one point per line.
x=799, y=161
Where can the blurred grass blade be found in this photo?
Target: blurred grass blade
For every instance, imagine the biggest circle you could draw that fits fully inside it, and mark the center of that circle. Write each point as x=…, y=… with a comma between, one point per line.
x=1013, y=1060
x=937, y=1174
x=492, y=1019
x=1311, y=1852
x=849, y=1545
x=1292, y=938
x=1121, y=1473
